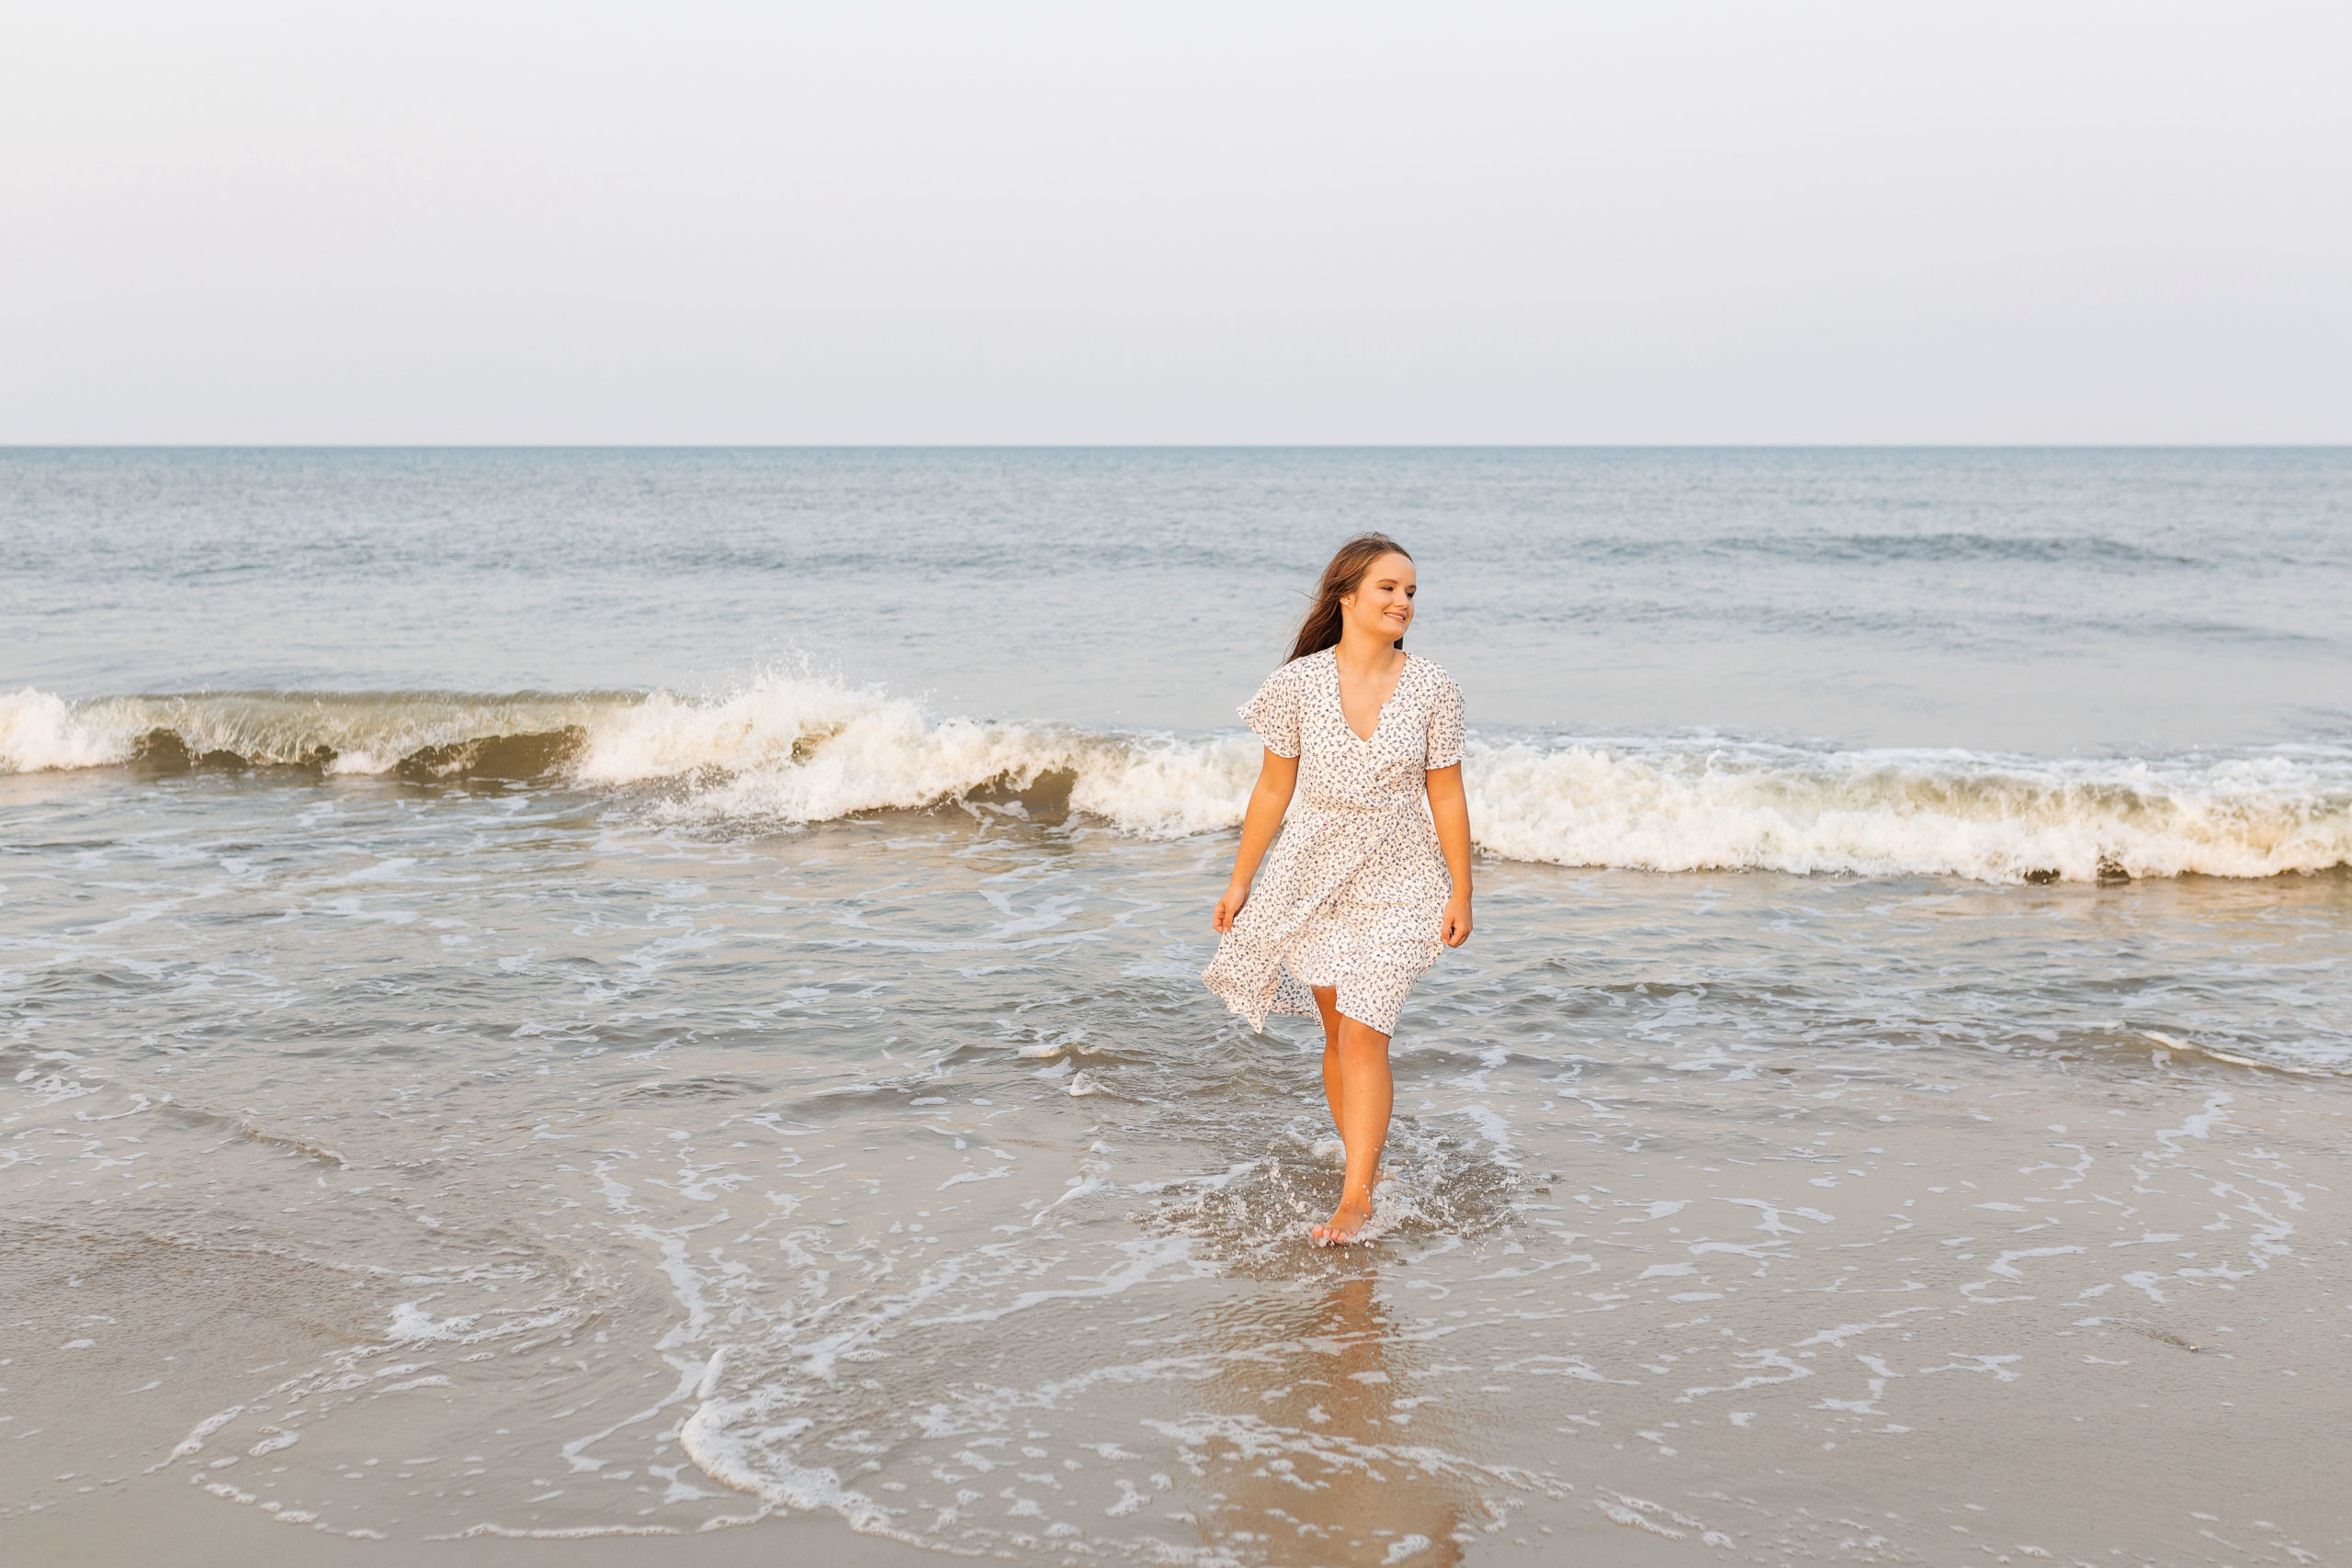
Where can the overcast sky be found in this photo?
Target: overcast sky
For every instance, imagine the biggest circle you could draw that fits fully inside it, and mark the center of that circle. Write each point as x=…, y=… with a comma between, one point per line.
x=1190, y=222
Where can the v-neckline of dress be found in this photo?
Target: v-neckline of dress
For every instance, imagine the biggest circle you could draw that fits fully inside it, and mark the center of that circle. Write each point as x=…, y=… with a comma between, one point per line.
x=1380, y=719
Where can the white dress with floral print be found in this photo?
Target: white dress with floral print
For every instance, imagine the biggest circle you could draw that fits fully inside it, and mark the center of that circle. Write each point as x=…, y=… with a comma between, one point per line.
x=1353, y=893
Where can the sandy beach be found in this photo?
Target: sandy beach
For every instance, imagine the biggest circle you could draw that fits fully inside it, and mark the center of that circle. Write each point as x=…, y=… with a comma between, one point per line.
x=1995, y=1348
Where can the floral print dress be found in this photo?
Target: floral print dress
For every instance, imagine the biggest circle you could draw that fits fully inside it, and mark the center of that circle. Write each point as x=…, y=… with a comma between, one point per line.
x=1353, y=892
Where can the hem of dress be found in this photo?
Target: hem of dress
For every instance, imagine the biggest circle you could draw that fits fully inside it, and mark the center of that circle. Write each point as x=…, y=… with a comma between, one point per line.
x=1257, y=1021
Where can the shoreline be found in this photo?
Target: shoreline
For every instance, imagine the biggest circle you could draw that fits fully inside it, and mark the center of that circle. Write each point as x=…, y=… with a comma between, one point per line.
x=135, y=1524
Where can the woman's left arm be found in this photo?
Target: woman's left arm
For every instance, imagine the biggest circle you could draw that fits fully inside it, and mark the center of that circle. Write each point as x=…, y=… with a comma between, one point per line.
x=1450, y=809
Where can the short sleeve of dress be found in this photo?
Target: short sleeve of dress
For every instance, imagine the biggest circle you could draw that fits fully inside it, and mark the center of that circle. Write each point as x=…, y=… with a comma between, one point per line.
x=1445, y=726
x=1273, y=713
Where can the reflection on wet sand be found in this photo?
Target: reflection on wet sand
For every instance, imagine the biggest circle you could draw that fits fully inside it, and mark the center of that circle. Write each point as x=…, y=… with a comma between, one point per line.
x=1318, y=1451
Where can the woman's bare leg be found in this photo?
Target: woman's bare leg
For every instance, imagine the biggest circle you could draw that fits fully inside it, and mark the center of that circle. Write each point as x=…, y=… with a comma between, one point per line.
x=1327, y=1002
x=1355, y=1056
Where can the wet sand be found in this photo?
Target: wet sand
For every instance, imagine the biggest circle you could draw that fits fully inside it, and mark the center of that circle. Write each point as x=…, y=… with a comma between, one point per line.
x=2129, y=1432
x=151, y=1525
x=1987, y=1347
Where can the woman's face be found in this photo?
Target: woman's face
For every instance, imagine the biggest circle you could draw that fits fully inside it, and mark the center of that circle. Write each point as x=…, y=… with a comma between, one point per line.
x=1383, y=603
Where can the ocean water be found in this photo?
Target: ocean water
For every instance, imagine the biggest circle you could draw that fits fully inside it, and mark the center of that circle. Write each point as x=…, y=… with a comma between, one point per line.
x=630, y=991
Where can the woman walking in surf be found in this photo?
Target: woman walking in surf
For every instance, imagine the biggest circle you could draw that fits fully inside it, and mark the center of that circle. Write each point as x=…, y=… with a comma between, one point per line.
x=1364, y=752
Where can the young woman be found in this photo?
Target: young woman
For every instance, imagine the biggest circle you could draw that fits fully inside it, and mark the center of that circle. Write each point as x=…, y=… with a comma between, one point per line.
x=1373, y=870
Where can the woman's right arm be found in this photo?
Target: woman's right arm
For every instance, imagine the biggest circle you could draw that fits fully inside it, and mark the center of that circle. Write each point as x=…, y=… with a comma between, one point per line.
x=1268, y=798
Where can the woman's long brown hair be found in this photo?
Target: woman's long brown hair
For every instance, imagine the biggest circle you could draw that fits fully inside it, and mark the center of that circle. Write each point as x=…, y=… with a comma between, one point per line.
x=1346, y=573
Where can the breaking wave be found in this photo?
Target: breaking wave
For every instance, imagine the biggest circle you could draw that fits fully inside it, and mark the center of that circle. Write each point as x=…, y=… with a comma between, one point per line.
x=789, y=749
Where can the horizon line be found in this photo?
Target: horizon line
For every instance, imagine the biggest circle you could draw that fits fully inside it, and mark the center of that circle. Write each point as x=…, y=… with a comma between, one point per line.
x=1174, y=446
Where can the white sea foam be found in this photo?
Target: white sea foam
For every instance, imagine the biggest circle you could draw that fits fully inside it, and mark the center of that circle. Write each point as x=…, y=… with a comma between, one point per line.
x=1666, y=806
x=772, y=723
x=713, y=1437
x=39, y=731
x=789, y=749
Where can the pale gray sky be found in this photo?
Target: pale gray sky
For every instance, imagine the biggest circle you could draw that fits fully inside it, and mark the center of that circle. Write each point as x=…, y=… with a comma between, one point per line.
x=1192, y=222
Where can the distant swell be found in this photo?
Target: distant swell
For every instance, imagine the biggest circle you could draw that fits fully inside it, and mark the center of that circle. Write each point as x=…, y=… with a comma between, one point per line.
x=788, y=750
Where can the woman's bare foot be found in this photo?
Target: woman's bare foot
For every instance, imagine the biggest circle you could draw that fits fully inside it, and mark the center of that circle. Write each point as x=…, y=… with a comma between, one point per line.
x=1347, y=1223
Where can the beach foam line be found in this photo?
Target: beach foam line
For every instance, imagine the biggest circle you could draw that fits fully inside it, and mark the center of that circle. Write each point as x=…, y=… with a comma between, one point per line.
x=1689, y=805
x=786, y=750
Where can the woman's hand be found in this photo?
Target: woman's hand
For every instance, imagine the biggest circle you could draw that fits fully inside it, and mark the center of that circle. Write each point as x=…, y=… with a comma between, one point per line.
x=1237, y=893
x=1455, y=931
